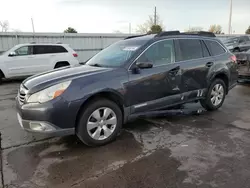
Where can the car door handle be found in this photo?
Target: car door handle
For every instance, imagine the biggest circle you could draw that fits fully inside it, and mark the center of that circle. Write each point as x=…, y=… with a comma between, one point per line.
x=174, y=71
x=210, y=64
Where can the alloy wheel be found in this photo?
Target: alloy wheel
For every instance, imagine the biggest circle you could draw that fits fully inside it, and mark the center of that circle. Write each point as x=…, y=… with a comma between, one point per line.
x=217, y=94
x=101, y=123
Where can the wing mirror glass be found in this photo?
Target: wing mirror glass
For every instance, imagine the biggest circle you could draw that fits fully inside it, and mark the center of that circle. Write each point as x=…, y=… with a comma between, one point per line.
x=144, y=65
x=12, y=54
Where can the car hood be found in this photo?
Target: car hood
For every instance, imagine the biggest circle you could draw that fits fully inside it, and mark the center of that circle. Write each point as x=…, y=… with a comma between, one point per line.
x=47, y=79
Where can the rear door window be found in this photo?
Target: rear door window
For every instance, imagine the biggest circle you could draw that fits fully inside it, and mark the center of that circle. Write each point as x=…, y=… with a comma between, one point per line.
x=39, y=49
x=189, y=49
x=49, y=49
x=214, y=47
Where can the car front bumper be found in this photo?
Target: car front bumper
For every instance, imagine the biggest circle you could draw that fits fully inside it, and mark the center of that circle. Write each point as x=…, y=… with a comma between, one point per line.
x=38, y=118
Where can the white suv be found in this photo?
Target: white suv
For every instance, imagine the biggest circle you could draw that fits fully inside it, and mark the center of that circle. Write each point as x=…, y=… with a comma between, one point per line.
x=29, y=59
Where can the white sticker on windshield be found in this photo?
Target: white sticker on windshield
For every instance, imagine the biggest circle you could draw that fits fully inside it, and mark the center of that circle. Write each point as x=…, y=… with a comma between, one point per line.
x=130, y=48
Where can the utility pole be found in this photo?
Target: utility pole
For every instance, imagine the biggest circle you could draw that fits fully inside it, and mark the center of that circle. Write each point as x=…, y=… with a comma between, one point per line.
x=155, y=15
x=230, y=18
x=32, y=23
x=129, y=28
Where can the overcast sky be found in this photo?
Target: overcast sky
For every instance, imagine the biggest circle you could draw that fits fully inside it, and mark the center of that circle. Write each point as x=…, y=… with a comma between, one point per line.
x=105, y=16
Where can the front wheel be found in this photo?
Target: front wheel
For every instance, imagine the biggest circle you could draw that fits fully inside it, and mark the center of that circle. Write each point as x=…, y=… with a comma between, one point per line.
x=215, y=95
x=99, y=123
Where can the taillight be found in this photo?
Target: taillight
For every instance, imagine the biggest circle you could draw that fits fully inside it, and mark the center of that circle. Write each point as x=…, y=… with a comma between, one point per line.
x=75, y=54
x=234, y=59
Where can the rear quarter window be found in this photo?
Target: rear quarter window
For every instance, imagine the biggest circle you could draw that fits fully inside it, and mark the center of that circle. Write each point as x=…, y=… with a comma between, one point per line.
x=215, y=48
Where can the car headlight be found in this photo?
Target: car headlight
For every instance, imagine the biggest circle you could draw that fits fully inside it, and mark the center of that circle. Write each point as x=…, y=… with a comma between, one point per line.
x=48, y=93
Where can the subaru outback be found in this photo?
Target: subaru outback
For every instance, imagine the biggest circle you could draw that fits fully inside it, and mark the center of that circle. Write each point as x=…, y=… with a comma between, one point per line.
x=133, y=77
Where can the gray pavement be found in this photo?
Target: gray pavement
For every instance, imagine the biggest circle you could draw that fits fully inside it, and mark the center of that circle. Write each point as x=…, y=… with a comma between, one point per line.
x=187, y=149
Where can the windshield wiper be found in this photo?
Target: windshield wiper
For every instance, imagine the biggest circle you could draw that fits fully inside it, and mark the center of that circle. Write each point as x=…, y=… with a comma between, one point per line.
x=95, y=65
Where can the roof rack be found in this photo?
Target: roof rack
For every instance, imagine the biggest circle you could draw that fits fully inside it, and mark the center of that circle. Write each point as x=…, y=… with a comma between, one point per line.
x=201, y=33
x=167, y=33
x=45, y=42
x=134, y=36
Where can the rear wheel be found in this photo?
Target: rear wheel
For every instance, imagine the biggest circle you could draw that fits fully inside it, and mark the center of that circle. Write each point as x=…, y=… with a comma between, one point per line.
x=215, y=95
x=99, y=123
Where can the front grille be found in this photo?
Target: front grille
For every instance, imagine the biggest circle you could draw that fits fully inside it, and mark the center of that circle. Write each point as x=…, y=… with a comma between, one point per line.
x=21, y=94
x=21, y=97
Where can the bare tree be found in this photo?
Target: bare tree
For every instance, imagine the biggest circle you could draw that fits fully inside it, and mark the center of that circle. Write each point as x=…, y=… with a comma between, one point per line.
x=248, y=30
x=4, y=26
x=146, y=27
x=217, y=29
x=117, y=31
x=196, y=28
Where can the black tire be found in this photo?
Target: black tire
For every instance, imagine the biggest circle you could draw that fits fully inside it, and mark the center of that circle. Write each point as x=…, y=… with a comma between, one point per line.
x=81, y=127
x=236, y=50
x=207, y=102
x=1, y=77
x=62, y=64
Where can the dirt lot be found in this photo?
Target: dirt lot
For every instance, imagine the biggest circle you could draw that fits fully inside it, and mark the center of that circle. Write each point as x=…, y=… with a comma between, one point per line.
x=187, y=149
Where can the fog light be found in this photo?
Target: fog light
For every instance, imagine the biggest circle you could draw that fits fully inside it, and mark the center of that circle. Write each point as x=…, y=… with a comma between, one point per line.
x=40, y=126
x=36, y=126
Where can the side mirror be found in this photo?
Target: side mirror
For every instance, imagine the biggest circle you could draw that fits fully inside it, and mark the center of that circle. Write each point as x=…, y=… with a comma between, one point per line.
x=144, y=65
x=12, y=54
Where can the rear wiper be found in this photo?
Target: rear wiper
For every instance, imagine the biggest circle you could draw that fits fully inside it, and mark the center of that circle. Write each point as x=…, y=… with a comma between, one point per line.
x=96, y=65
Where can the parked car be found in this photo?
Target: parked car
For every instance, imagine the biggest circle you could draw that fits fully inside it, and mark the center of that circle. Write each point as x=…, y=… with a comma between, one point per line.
x=29, y=59
x=238, y=44
x=136, y=76
x=243, y=59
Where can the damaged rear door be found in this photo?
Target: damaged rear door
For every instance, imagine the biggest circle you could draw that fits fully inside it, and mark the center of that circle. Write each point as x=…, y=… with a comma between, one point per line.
x=194, y=59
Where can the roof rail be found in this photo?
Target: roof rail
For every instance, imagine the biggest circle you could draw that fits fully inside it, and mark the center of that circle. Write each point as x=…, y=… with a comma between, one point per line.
x=167, y=33
x=200, y=33
x=134, y=36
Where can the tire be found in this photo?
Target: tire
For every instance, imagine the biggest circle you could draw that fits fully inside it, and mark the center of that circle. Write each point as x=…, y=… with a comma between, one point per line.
x=1, y=77
x=236, y=50
x=95, y=133
x=59, y=65
x=210, y=104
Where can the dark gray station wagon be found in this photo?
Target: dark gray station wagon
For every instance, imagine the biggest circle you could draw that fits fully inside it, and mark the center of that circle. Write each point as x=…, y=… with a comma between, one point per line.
x=133, y=77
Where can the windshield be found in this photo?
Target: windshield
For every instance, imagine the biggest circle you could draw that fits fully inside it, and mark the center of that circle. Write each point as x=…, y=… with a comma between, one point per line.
x=232, y=40
x=116, y=54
